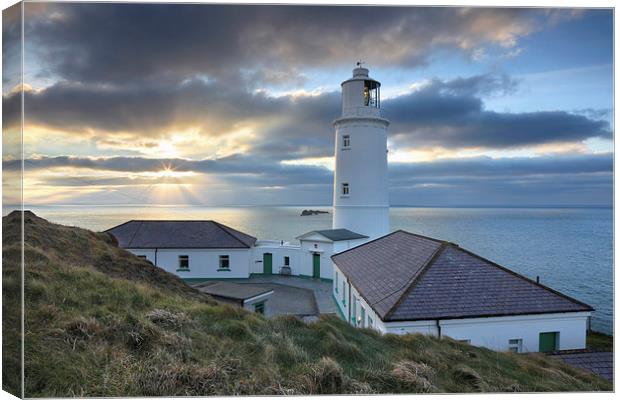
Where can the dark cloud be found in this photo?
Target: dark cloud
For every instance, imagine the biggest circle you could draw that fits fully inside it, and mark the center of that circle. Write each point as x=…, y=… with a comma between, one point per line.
x=447, y=114
x=129, y=42
x=142, y=109
x=298, y=126
x=11, y=47
x=477, y=167
x=451, y=114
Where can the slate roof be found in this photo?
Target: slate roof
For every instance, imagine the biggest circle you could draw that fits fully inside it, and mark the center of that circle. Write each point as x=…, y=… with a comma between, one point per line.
x=600, y=363
x=405, y=277
x=236, y=291
x=149, y=234
x=337, y=235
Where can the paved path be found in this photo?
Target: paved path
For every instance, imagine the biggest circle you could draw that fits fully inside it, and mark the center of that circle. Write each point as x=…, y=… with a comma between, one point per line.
x=294, y=295
x=322, y=289
x=599, y=362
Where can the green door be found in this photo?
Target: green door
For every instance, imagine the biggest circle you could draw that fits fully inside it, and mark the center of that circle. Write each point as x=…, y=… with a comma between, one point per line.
x=267, y=258
x=316, y=265
x=547, y=341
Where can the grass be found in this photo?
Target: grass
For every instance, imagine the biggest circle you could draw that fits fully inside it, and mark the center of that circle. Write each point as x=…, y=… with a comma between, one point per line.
x=98, y=325
x=599, y=341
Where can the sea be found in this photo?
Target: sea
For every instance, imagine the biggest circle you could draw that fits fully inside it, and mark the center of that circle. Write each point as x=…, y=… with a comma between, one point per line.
x=569, y=249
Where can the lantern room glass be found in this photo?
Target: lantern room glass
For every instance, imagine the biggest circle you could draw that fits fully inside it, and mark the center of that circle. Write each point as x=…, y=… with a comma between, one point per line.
x=371, y=94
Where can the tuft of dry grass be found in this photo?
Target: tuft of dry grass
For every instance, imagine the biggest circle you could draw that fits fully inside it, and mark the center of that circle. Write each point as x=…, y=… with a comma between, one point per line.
x=166, y=318
x=418, y=376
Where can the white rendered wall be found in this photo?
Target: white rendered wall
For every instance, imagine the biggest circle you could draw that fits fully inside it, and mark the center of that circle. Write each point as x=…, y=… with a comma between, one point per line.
x=325, y=249
x=249, y=304
x=203, y=263
x=496, y=332
x=148, y=253
x=278, y=251
x=341, y=292
x=343, y=245
x=360, y=303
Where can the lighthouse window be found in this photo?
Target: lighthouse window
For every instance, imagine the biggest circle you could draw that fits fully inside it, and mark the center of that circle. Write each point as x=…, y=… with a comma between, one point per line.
x=371, y=94
x=346, y=141
x=345, y=189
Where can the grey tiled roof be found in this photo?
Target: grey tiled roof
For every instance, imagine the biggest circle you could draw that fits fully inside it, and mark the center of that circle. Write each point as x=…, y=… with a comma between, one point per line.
x=404, y=276
x=179, y=234
x=237, y=291
x=381, y=269
x=340, y=234
x=601, y=363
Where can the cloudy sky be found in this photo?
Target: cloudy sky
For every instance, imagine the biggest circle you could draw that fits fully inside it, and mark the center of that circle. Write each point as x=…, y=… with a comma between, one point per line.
x=230, y=105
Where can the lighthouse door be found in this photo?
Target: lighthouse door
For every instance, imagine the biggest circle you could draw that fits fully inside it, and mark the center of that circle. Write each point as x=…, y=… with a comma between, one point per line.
x=316, y=265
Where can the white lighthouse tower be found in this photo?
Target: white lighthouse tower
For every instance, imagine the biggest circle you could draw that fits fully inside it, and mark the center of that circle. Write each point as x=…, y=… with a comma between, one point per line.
x=361, y=201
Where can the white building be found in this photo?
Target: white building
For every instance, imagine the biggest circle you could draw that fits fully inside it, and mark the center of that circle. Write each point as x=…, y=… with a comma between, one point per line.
x=406, y=283
x=199, y=250
x=360, y=179
x=317, y=247
x=193, y=250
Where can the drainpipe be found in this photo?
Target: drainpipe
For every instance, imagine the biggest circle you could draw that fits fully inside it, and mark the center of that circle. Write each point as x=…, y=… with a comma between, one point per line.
x=155, y=256
x=438, y=328
x=349, y=283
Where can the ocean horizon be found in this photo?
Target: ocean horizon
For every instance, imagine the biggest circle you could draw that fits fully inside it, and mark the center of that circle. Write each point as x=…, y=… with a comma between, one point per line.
x=569, y=249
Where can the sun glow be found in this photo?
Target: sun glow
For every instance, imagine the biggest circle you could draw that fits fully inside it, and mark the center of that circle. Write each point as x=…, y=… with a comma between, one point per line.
x=325, y=162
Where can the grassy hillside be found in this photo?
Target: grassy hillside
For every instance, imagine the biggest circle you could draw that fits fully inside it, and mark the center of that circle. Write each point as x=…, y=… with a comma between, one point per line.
x=101, y=322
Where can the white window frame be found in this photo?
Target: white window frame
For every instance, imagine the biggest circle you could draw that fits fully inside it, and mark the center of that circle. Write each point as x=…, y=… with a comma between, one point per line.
x=515, y=345
x=181, y=258
x=223, y=257
x=346, y=142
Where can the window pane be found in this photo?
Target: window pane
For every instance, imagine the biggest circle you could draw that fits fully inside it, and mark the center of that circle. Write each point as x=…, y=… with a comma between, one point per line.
x=183, y=262
x=224, y=262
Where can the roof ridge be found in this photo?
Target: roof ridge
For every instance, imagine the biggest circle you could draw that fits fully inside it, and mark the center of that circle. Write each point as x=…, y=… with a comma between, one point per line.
x=226, y=229
x=425, y=237
x=410, y=285
x=119, y=225
x=167, y=220
x=368, y=242
x=525, y=278
x=134, y=234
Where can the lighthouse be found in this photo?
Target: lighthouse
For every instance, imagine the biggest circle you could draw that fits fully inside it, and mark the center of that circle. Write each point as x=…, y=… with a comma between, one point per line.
x=361, y=201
